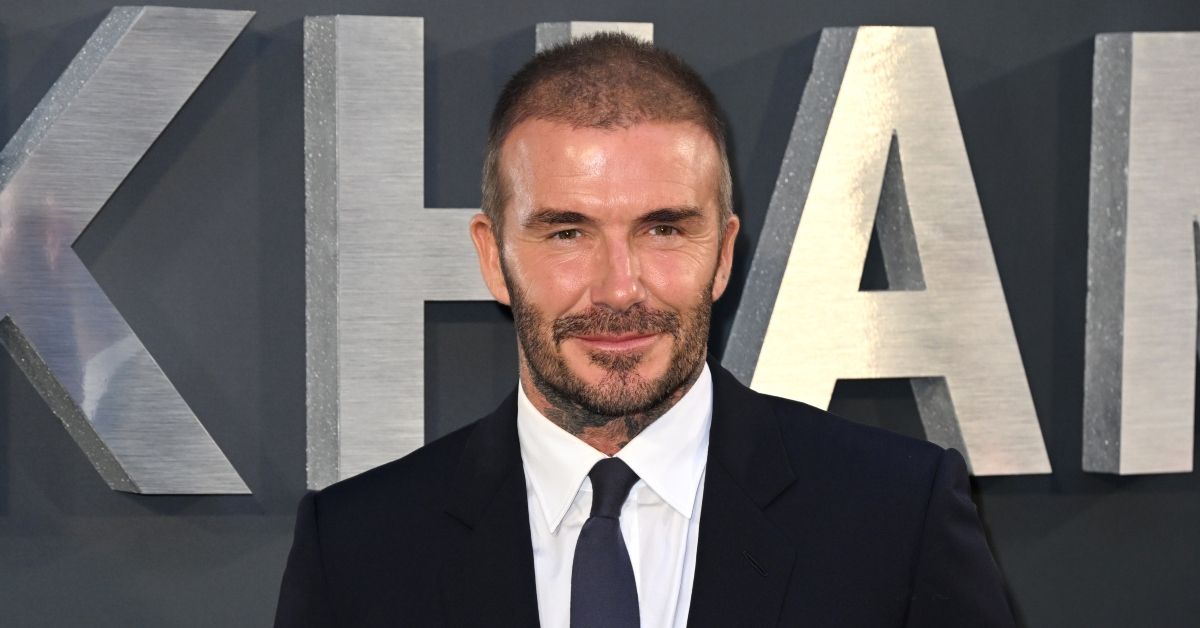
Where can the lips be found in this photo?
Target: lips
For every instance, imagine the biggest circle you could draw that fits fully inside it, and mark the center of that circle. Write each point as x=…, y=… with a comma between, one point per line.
x=621, y=342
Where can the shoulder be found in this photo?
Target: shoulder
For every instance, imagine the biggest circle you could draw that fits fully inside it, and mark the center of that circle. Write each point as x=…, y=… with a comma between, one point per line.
x=829, y=455
x=803, y=425
x=873, y=489
x=854, y=459
x=414, y=484
x=812, y=435
x=385, y=530
x=416, y=492
x=386, y=525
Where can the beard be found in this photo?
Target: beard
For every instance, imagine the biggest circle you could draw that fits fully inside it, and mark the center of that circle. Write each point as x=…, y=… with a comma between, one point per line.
x=622, y=391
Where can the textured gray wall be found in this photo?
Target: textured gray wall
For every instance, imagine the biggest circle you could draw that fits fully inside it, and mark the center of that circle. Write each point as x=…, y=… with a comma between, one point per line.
x=202, y=249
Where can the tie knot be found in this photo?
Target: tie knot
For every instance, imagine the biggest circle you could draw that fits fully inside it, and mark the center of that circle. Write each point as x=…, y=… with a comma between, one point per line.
x=611, y=481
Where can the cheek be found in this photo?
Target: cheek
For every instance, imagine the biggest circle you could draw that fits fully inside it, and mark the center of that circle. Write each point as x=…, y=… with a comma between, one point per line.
x=677, y=276
x=554, y=283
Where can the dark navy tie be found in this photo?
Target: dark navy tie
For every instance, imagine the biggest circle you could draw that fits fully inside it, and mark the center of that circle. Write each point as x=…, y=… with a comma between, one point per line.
x=603, y=591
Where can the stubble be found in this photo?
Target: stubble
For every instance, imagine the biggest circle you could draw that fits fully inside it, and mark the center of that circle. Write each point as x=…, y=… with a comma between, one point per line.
x=623, y=403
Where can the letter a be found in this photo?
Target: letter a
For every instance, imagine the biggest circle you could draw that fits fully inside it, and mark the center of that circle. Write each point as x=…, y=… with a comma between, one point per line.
x=876, y=143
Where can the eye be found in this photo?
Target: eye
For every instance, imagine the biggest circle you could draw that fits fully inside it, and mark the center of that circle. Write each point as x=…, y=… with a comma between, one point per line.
x=565, y=234
x=664, y=230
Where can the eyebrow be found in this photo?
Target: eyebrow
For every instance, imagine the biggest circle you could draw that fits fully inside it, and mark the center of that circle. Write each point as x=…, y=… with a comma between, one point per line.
x=673, y=214
x=549, y=217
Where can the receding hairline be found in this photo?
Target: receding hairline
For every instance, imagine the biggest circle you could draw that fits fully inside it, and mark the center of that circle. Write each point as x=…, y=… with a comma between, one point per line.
x=605, y=81
x=505, y=170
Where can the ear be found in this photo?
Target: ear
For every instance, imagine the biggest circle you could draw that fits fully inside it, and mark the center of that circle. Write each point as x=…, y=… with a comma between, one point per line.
x=725, y=257
x=488, y=250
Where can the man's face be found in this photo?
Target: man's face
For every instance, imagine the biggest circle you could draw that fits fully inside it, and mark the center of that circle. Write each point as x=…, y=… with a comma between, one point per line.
x=611, y=255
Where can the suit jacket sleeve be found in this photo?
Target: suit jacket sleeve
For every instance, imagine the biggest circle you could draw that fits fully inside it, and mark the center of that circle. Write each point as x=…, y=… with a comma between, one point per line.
x=303, y=596
x=955, y=581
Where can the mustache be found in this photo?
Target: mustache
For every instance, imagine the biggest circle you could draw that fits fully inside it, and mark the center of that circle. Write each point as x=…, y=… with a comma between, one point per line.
x=599, y=321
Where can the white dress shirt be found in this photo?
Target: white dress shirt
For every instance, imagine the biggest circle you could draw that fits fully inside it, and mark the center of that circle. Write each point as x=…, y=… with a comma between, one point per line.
x=660, y=518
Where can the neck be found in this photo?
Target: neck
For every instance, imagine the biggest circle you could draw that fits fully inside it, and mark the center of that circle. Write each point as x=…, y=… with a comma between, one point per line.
x=607, y=434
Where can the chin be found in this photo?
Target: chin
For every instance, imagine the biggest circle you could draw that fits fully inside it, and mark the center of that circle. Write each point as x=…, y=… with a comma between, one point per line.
x=606, y=366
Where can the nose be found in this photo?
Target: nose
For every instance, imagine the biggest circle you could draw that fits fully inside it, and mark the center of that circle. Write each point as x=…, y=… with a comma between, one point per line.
x=618, y=282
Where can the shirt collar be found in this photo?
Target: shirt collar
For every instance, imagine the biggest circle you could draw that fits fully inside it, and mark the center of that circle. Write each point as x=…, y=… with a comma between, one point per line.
x=669, y=455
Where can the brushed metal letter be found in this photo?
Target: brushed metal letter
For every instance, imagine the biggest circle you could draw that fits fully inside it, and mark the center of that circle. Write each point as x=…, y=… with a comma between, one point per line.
x=876, y=134
x=375, y=254
x=56, y=173
x=1140, y=343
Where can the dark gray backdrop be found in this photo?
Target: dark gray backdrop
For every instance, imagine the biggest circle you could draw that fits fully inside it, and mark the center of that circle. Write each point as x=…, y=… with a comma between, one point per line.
x=202, y=249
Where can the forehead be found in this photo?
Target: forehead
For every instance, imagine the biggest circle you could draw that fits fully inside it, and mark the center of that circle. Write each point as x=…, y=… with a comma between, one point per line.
x=553, y=163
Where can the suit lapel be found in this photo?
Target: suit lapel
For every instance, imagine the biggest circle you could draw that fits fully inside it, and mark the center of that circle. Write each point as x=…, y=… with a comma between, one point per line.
x=490, y=580
x=743, y=561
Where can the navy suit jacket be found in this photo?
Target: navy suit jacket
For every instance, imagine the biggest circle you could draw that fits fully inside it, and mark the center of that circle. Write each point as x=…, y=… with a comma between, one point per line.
x=808, y=520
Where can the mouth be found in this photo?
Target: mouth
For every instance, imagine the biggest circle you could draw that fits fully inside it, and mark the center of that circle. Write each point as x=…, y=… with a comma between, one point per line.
x=618, y=342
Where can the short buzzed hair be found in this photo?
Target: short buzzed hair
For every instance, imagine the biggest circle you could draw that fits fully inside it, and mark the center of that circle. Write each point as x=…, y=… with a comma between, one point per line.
x=607, y=80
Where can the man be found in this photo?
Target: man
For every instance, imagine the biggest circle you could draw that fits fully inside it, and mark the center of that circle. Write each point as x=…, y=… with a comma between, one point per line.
x=626, y=481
